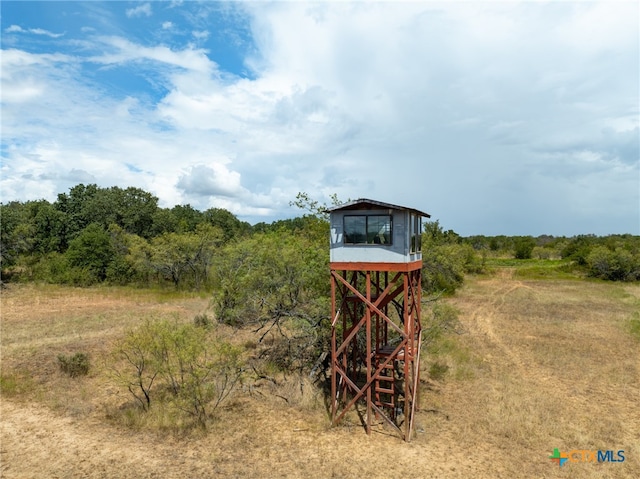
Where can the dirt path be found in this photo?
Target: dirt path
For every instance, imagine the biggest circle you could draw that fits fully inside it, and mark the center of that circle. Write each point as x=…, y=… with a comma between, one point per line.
x=38, y=444
x=487, y=319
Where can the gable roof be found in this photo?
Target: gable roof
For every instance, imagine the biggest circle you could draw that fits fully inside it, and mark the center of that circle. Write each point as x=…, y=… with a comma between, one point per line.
x=364, y=204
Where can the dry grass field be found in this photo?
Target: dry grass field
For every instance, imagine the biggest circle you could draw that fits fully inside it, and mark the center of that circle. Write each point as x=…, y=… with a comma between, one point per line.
x=538, y=365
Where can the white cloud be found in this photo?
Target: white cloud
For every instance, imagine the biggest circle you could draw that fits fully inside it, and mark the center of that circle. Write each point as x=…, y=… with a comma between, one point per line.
x=19, y=84
x=213, y=179
x=124, y=51
x=15, y=29
x=167, y=25
x=34, y=31
x=201, y=34
x=140, y=10
x=496, y=118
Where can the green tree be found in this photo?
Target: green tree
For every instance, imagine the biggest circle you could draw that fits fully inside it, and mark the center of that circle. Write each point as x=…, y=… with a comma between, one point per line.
x=231, y=226
x=578, y=248
x=277, y=281
x=126, y=266
x=187, y=255
x=188, y=218
x=16, y=232
x=164, y=221
x=523, y=247
x=74, y=204
x=50, y=227
x=91, y=252
x=314, y=207
x=132, y=209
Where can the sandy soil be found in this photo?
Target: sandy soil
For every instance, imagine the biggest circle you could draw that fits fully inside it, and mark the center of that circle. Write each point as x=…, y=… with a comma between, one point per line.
x=541, y=365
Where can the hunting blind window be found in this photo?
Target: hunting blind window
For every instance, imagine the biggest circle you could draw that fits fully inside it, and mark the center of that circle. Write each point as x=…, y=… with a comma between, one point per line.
x=416, y=230
x=368, y=229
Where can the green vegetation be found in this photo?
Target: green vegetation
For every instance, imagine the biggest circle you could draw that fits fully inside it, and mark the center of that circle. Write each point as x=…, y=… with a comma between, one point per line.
x=74, y=366
x=537, y=268
x=634, y=326
x=523, y=247
x=111, y=235
x=93, y=235
x=446, y=356
x=613, y=258
x=269, y=278
x=181, y=367
x=446, y=259
x=9, y=384
x=276, y=282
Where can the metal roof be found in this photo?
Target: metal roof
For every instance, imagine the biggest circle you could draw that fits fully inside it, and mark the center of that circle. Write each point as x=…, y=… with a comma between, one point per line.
x=364, y=203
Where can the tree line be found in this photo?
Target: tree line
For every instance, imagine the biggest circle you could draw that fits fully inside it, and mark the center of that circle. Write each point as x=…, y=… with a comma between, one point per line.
x=121, y=236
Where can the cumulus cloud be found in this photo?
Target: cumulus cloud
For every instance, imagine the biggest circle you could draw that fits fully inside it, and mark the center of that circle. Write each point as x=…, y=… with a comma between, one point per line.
x=213, y=180
x=496, y=118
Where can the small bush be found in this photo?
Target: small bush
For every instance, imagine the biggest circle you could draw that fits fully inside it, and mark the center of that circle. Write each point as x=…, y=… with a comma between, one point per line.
x=443, y=321
x=74, y=366
x=202, y=321
x=178, y=367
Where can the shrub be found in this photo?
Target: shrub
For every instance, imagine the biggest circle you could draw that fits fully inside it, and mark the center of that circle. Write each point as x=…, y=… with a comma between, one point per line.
x=278, y=282
x=523, y=247
x=202, y=321
x=444, y=266
x=178, y=365
x=74, y=366
x=443, y=320
x=578, y=248
x=616, y=265
x=540, y=252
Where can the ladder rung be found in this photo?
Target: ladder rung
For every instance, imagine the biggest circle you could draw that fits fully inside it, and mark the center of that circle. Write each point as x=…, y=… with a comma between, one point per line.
x=384, y=390
x=386, y=379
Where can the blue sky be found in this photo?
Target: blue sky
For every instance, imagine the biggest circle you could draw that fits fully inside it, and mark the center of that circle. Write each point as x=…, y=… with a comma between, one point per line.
x=495, y=117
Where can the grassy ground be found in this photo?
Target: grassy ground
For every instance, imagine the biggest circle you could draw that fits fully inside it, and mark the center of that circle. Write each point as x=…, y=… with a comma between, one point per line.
x=539, y=361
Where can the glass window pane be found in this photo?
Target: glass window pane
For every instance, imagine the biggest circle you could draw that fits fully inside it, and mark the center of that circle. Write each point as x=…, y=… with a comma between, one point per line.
x=412, y=232
x=355, y=229
x=379, y=229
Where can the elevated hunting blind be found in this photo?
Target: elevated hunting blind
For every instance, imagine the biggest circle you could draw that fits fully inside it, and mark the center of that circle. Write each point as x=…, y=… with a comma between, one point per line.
x=376, y=263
